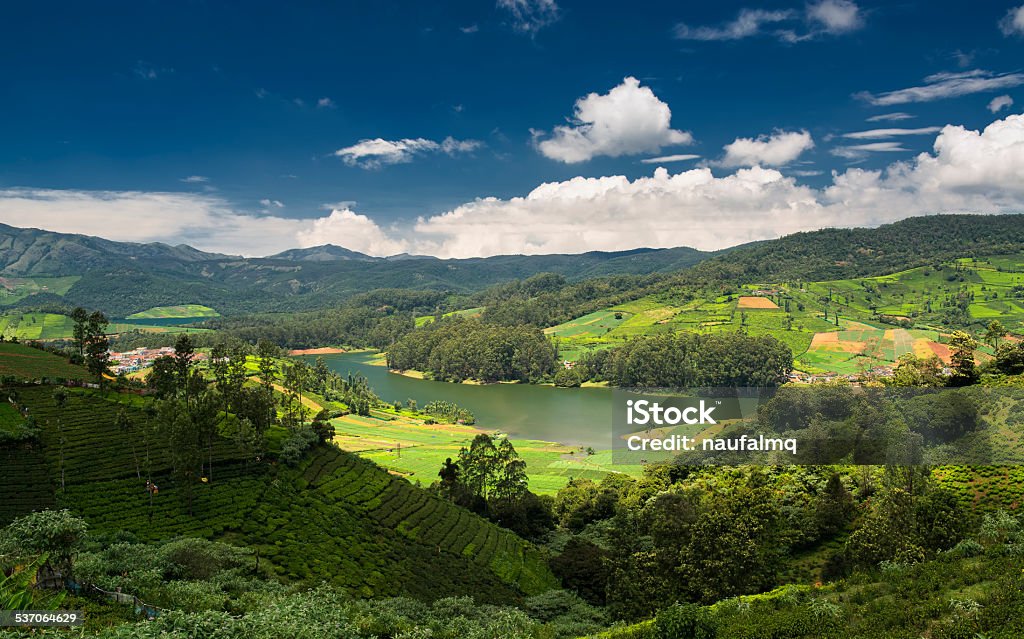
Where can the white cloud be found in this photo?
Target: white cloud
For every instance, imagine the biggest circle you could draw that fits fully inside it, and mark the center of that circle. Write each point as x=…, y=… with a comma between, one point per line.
x=966, y=171
x=268, y=203
x=627, y=120
x=344, y=227
x=861, y=151
x=877, y=134
x=195, y=179
x=836, y=16
x=890, y=117
x=969, y=171
x=670, y=158
x=831, y=17
x=999, y=103
x=325, y=103
x=778, y=149
x=748, y=23
x=530, y=16
x=373, y=154
x=946, y=85
x=1013, y=22
x=806, y=172
x=473, y=28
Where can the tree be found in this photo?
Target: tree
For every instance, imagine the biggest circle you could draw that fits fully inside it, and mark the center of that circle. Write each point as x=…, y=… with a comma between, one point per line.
x=266, y=362
x=323, y=427
x=125, y=425
x=911, y=370
x=60, y=398
x=962, y=359
x=56, y=533
x=97, y=347
x=80, y=317
x=163, y=377
x=995, y=332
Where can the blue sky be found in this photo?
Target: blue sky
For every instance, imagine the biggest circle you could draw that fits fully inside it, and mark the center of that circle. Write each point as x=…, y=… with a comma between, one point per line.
x=386, y=127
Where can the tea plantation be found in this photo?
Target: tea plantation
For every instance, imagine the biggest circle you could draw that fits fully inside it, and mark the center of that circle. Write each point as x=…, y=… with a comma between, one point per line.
x=334, y=518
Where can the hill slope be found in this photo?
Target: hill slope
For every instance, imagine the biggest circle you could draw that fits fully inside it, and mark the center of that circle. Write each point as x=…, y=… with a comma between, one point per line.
x=336, y=518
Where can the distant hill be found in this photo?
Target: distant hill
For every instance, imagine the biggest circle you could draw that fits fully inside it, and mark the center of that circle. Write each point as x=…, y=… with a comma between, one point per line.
x=325, y=253
x=831, y=254
x=123, y=278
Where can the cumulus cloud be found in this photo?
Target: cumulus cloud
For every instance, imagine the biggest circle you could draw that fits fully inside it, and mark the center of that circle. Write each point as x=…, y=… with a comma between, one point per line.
x=325, y=103
x=836, y=16
x=1013, y=22
x=890, y=117
x=373, y=154
x=965, y=171
x=968, y=171
x=530, y=16
x=778, y=149
x=831, y=17
x=940, y=86
x=670, y=158
x=627, y=120
x=876, y=134
x=999, y=103
x=344, y=227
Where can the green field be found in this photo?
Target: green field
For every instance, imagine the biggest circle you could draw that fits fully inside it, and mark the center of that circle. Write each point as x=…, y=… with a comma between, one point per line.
x=15, y=289
x=25, y=362
x=406, y=445
x=468, y=312
x=185, y=311
x=51, y=326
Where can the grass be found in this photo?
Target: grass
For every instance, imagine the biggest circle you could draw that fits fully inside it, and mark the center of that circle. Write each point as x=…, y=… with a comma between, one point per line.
x=53, y=326
x=25, y=362
x=15, y=289
x=467, y=312
x=184, y=311
x=404, y=444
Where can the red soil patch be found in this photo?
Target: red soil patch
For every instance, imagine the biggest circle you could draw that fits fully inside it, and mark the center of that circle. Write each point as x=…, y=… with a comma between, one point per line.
x=316, y=351
x=756, y=302
x=941, y=351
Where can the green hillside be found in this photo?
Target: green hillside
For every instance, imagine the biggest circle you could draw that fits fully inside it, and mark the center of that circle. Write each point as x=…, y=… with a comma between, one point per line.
x=175, y=312
x=839, y=326
x=335, y=518
x=25, y=362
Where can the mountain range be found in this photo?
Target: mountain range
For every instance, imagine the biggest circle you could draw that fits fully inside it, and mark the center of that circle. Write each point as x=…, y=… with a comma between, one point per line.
x=120, y=278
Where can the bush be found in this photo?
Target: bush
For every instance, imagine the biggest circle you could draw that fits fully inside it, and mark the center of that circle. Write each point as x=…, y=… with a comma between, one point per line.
x=685, y=621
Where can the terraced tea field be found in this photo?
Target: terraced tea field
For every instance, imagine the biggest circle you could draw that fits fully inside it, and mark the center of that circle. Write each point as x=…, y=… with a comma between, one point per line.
x=335, y=518
x=25, y=362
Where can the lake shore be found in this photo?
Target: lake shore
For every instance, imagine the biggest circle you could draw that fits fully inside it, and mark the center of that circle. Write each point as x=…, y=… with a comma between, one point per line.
x=323, y=350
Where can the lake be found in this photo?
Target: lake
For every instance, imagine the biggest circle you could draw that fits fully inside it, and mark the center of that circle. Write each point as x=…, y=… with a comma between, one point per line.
x=574, y=416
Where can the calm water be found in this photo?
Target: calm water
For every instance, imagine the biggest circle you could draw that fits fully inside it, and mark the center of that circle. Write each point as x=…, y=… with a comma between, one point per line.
x=575, y=416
